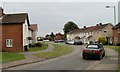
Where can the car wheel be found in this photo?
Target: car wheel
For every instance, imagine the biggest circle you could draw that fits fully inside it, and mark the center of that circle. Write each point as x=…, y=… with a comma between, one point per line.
x=103, y=54
x=100, y=57
x=84, y=57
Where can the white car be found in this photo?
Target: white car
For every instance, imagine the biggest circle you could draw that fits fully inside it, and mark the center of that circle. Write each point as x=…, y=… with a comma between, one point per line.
x=70, y=42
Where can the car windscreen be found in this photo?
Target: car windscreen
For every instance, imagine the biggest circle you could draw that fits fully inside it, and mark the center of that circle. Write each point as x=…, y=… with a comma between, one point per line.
x=93, y=46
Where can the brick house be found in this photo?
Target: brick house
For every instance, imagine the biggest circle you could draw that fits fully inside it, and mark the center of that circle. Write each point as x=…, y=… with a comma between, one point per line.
x=92, y=33
x=14, y=32
x=58, y=36
x=116, y=34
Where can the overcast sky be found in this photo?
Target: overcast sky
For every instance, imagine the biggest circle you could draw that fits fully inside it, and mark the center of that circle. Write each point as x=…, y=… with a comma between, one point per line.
x=52, y=16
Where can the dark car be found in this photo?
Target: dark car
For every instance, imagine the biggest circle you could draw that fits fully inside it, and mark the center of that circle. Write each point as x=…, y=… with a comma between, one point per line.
x=93, y=51
x=61, y=40
x=78, y=42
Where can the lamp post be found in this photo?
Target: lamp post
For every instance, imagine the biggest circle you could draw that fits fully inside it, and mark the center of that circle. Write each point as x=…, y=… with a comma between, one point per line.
x=114, y=17
x=114, y=12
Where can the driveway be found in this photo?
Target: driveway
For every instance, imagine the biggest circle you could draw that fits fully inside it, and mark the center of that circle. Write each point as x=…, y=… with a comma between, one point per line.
x=74, y=61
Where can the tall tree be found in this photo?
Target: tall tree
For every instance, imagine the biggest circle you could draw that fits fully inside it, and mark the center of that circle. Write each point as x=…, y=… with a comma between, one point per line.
x=69, y=26
x=52, y=34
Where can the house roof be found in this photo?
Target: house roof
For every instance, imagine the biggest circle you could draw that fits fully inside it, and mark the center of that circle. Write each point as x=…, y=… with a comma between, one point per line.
x=92, y=28
x=117, y=26
x=87, y=29
x=33, y=27
x=74, y=31
x=15, y=18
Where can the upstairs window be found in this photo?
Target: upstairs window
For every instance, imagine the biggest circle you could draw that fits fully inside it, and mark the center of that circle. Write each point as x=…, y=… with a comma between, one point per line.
x=8, y=42
x=118, y=30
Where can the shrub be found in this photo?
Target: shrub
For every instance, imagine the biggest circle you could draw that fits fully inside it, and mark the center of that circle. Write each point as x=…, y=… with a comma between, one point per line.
x=38, y=44
x=102, y=40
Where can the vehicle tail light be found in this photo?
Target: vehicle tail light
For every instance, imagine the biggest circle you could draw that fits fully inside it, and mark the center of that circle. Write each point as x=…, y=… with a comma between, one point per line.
x=96, y=52
x=85, y=51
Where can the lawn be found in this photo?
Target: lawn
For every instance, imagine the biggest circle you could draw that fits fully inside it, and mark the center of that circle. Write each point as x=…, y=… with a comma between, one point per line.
x=44, y=46
x=10, y=56
x=59, y=50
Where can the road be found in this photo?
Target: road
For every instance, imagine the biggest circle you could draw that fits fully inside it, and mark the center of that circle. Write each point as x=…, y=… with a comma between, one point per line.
x=74, y=61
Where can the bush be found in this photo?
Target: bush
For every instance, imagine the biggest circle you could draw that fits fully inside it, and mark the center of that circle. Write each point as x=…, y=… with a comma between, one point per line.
x=102, y=40
x=38, y=44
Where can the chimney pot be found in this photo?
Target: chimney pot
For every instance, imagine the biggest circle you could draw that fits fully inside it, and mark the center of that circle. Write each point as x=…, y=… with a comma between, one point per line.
x=84, y=26
x=1, y=11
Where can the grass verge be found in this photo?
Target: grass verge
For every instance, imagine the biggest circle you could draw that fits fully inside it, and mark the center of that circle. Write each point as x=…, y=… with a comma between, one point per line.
x=44, y=46
x=59, y=50
x=117, y=48
x=9, y=56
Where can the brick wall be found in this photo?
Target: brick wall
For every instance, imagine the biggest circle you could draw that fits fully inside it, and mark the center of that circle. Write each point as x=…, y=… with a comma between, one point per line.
x=116, y=35
x=14, y=32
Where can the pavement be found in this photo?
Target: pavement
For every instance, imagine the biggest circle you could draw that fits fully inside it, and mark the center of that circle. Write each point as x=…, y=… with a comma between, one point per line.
x=29, y=58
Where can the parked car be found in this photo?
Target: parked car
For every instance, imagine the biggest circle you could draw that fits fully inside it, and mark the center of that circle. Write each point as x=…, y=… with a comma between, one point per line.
x=55, y=41
x=78, y=42
x=61, y=40
x=71, y=42
x=93, y=51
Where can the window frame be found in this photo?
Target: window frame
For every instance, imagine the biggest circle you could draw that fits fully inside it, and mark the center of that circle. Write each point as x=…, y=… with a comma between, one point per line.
x=9, y=43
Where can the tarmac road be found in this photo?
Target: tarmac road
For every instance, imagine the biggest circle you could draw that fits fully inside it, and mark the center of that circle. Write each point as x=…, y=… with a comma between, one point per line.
x=74, y=61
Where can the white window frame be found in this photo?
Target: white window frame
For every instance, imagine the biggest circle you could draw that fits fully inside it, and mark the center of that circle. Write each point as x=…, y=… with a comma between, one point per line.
x=9, y=42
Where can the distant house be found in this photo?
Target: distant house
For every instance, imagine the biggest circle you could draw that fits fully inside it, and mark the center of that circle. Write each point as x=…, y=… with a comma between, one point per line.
x=116, y=34
x=88, y=34
x=58, y=36
x=72, y=34
x=14, y=32
x=33, y=33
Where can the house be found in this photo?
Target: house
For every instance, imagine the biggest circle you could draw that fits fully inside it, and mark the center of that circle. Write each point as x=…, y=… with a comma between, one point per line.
x=72, y=34
x=88, y=34
x=116, y=34
x=33, y=33
x=58, y=36
x=14, y=32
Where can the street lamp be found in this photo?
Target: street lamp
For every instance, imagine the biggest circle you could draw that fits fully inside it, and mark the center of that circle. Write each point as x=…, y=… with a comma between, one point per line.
x=114, y=16
x=114, y=12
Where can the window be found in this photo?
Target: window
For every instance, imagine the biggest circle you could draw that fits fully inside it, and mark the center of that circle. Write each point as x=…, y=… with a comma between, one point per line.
x=92, y=46
x=88, y=33
x=118, y=30
x=91, y=33
x=8, y=42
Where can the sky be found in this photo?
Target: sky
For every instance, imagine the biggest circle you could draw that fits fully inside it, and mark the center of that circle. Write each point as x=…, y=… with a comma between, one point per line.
x=52, y=15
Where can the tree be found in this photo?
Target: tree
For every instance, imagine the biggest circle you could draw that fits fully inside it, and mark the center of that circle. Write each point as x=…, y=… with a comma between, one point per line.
x=46, y=36
x=102, y=40
x=69, y=26
x=52, y=36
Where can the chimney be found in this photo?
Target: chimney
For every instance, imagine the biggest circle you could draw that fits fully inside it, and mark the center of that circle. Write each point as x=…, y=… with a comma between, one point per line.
x=84, y=26
x=1, y=11
x=100, y=24
x=97, y=24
